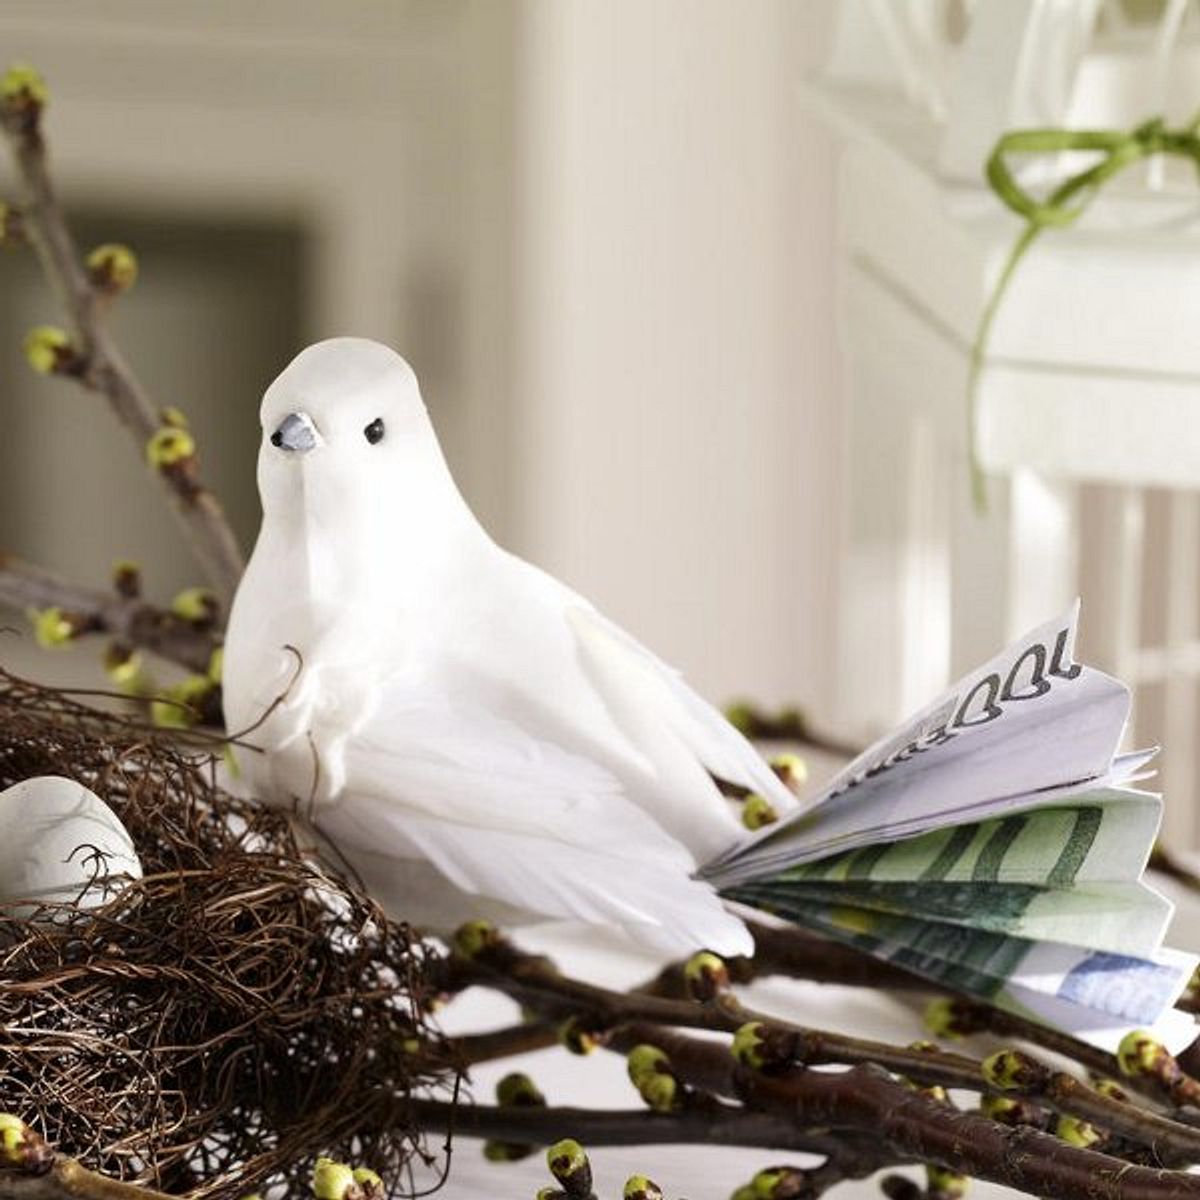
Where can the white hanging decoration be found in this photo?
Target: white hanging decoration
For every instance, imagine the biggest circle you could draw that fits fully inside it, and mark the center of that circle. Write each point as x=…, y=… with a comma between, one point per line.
x=60, y=844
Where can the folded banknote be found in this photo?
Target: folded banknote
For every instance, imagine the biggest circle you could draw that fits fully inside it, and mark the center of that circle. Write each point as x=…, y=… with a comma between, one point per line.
x=996, y=845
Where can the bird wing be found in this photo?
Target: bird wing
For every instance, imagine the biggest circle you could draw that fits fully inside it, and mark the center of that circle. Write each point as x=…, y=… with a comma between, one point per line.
x=633, y=680
x=506, y=814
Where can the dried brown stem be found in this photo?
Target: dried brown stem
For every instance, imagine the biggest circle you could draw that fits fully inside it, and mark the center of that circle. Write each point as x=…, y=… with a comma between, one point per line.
x=67, y=1180
x=720, y=1125
x=796, y=954
x=131, y=620
x=102, y=369
x=502, y=1043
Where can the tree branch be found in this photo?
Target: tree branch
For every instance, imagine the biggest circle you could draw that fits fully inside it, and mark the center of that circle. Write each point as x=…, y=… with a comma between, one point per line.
x=535, y=982
x=67, y=1180
x=502, y=1043
x=131, y=620
x=866, y=1100
x=719, y=1125
x=797, y=954
x=101, y=367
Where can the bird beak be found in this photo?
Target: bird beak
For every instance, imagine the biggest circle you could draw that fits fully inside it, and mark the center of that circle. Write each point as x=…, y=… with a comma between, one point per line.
x=296, y=433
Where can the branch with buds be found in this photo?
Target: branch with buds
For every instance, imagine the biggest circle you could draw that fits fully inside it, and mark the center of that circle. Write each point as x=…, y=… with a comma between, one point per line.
x=61, y=612
x=1036, y=1128
x=86, y=352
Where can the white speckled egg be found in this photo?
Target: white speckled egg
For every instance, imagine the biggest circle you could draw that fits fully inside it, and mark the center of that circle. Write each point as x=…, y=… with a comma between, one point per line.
x=59, y=842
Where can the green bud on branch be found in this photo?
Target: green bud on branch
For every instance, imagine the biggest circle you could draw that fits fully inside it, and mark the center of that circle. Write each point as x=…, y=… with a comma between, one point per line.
x=1006, y=1110
x=198, y=606
x=706, y=976
x=1013, y=1071
x=183, y=704
x=578, y=1036
x=125, y=667
x=331, y=1180
x=1110, y=1088
x=749, y=1044
x=1139, y=1055
x=170, y=446
x=643, y=1061
x=517, y=1090
x=952, y=1018
x=52, y=628
x=661, y=1093
x=638, y=1187
x=776, y=1183
x=792, y=771
x=112, y=268
x=1077, y=1132
x=22, y=1147
x=23, y=96
x=369, y=1183
x=944, y=1184
x=758, y=812
x=475, y=938
x=569, y=1164
x=49, y=351
x=127, y=578
x=764, y=1047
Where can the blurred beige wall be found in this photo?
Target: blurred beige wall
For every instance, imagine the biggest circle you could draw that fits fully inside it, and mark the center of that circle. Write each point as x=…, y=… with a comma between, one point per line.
x=674, y=369
x=600, y=229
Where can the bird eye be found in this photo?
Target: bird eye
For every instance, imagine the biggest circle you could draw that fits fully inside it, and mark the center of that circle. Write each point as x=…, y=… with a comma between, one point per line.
x=374, y=432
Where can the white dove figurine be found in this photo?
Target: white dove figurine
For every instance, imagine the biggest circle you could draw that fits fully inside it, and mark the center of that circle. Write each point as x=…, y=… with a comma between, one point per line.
x=473, y=737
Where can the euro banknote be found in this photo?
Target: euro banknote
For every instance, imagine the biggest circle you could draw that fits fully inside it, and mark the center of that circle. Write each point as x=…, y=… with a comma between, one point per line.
x=1105, y=836
x=1030, y=728
x=1119, y=917
x=1131, y=991
x=994, y=844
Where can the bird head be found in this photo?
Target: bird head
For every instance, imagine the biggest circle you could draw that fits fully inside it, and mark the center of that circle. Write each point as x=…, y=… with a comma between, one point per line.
x=346, y=441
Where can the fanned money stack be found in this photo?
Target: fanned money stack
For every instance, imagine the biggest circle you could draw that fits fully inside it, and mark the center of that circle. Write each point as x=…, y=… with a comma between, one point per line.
x=996, y=845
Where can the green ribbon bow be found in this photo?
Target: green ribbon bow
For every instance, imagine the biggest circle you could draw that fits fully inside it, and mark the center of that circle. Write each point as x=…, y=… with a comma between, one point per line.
x=1064, y=205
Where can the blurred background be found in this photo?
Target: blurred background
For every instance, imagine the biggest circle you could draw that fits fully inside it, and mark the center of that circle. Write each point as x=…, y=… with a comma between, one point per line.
x=691, y=288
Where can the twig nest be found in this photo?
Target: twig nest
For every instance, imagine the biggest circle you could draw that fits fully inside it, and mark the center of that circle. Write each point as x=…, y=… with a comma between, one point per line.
x=60, y=845
x=233, y=1010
